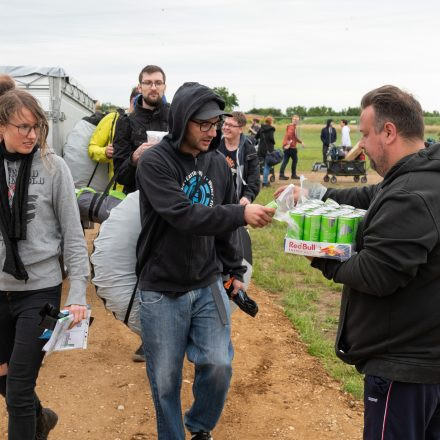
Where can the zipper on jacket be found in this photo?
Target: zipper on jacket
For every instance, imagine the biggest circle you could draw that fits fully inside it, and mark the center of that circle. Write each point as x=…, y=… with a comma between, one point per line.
x=191, y=248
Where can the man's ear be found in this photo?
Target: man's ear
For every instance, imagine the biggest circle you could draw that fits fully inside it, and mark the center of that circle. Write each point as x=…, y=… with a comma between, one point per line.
x=391, y=132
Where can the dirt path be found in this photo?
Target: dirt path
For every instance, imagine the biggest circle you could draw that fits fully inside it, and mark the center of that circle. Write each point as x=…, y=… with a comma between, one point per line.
x=278, y=390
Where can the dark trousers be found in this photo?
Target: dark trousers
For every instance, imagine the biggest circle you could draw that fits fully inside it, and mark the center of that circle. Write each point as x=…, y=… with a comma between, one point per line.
x=21, y=349
x=400, y=411
x=289, y=153
x=325, y=148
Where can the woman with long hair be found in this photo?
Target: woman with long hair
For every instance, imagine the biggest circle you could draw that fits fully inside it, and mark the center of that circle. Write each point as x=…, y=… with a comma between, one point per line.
x=38, y=218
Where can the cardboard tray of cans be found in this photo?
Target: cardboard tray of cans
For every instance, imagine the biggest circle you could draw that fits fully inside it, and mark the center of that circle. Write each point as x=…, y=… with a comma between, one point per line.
x=336, y=251
x=323, y=229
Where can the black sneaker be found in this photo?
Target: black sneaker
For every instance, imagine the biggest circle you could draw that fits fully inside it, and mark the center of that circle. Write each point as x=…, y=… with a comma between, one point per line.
x=45, y=423
x=138, y=355
x=202, y=435
x=283, y=178
x=295, y=177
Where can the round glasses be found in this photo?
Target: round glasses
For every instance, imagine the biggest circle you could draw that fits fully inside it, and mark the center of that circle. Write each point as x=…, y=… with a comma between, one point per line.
x=150, y=84
x=206, y=125
x=25, y=129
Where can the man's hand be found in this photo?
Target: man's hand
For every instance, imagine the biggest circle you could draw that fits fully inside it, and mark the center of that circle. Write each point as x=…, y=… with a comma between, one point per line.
x=244, y=201
x=79, y=313
x=258, y=216
x=139, y=150
x=238, y=285
x=296, y=192
x=109, y=151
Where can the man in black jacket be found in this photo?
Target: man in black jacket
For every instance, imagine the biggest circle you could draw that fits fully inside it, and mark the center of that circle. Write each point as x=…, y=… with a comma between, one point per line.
x=189, y=217
x=150, y=114
x=328, y=137
x=389, y=325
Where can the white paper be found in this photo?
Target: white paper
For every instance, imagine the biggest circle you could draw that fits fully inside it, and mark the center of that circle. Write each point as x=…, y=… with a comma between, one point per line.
x=64, y=339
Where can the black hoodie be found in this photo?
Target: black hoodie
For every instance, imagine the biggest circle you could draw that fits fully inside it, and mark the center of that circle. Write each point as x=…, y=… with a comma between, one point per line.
x=389, y=323
x=187, y=239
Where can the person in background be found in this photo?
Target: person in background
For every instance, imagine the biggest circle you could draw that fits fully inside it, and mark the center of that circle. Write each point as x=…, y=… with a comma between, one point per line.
x=254, y=129
x=345, y=135
x=241, y=157
x=38, y=212
x=150, y=113
x=189, y=237
x=290, y=142
x=328, y=136
x=266, y=144
x=101, y=142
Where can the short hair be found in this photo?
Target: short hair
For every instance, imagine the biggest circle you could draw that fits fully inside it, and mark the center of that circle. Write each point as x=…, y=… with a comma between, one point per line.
x=344, y=121
x=255, y=120
x=268, y=120
x=240, y=118
x=134, y=92
x=151, y=68
x=392, y=104
x=6, y=83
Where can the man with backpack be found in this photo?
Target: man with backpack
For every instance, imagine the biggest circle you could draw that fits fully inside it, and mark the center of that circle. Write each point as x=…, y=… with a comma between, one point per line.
x=131, y=138
x=189, y=217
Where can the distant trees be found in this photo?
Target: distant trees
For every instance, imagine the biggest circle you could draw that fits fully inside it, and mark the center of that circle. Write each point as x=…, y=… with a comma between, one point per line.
x=230, y=99
x=266, y=111
x=304, y=111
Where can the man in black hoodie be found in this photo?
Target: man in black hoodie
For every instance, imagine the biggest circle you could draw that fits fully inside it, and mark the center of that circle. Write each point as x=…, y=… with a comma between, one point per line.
x=389, y=325
x=150, y=114
x=189, y=217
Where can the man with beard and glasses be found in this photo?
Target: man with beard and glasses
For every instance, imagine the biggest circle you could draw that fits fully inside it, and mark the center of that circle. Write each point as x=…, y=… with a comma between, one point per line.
x=130, y=141
x=189, y=238
x=389, y=325
x=131, y=138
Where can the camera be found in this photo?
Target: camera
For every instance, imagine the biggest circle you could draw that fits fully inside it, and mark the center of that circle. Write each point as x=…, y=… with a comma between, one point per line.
x=49, y=316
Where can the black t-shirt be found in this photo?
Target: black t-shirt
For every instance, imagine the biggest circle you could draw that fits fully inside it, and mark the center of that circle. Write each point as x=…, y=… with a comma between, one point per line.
x=231, y=156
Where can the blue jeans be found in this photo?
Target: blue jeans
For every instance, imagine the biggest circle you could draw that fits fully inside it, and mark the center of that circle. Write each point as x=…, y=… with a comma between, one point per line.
x=266, y=172
x=172, y=326
x=21, y=349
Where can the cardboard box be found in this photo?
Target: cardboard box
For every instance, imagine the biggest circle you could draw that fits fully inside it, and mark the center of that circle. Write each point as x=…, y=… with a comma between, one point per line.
x=335, y=251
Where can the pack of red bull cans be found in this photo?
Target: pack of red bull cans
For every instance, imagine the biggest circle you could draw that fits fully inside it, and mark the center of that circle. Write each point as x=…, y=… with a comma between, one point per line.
x=323, y=229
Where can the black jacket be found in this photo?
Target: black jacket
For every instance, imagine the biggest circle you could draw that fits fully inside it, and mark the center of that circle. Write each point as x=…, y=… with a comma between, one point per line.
x=188, y=237
x=390, y=310
x=266, y=140
x=248, y=169
x=328, y=138
x=130, y=133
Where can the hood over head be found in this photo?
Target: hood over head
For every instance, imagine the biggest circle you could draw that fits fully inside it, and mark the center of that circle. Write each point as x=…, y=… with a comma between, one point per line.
x=193, y=100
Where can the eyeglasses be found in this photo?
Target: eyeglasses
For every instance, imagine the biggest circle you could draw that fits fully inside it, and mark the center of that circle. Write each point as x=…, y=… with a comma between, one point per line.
x=25, y=129
x=149, y=83
x=228, y=125
x=206, y=125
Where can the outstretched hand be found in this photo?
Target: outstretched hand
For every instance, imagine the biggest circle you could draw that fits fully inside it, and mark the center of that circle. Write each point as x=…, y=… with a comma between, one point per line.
x=258, y=216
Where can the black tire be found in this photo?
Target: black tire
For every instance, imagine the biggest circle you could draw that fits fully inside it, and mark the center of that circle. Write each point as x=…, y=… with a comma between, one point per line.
x=333, y=179
x=272, y=178
x=356, y=178
x=364, y=179
x=326, y=178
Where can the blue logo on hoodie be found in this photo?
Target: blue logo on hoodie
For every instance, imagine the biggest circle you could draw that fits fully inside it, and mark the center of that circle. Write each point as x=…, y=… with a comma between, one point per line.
x=198, y=191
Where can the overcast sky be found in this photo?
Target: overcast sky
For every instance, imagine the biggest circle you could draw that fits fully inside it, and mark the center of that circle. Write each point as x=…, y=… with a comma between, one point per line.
x=277, y=53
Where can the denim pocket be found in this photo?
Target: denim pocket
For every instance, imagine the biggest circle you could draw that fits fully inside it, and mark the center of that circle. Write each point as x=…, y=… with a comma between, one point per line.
x=150, y=297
